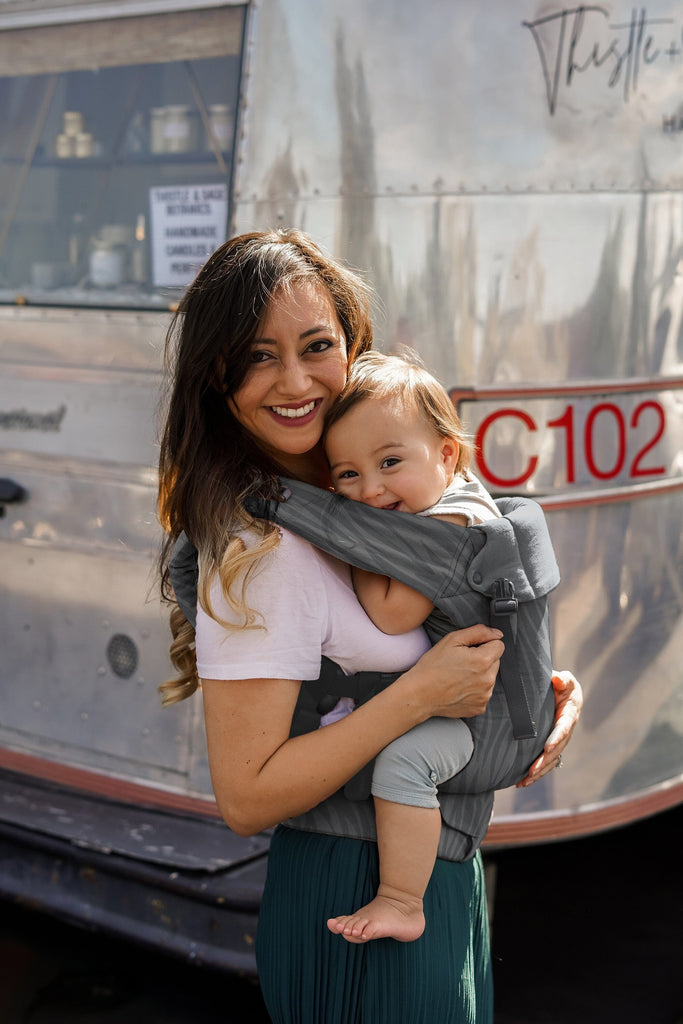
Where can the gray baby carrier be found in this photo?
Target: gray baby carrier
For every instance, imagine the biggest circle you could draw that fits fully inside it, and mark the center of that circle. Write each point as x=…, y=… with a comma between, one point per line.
x=415, y=550
x=498, y=573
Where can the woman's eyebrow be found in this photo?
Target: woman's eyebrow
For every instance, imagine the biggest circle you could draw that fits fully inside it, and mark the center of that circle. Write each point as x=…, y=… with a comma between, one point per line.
x=306, y=334
x=316, y=330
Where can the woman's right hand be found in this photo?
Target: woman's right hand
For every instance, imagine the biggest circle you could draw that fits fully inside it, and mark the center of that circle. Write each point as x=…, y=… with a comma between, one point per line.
x=455, y=678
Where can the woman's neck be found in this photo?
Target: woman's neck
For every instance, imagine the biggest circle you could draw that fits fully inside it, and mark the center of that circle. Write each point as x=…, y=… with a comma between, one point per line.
x=311, y=468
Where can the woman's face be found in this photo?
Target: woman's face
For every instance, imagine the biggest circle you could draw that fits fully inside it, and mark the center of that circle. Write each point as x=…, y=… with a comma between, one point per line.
x=297, y=368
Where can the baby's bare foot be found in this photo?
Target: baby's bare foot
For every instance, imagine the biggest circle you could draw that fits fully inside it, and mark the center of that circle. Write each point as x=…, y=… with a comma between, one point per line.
x=391, y=915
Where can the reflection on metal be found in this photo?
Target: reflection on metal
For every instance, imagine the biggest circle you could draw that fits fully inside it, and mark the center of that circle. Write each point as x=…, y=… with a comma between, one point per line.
x=536, y=269
x=608, y=495
x=509, y=178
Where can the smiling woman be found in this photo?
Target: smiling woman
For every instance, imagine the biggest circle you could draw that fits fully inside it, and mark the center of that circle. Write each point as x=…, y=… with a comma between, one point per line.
x=259, y=353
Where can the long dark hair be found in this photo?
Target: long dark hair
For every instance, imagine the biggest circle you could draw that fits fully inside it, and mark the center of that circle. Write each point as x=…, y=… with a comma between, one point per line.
x=207, y=462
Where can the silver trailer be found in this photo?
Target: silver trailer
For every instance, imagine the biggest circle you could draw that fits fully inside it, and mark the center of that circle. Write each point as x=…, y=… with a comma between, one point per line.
x=510, y=178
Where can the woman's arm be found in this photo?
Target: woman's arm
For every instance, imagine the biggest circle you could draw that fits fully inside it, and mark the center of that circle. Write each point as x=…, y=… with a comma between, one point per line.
x=261, y=776
x=568, y=704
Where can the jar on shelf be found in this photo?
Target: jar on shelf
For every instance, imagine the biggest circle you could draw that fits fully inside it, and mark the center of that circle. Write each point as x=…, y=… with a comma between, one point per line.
x=84, y=144
x=221, y=126
x=72, y=121
x=107, y=263
x=180, y=129
x=157, y=121
x=65, y=146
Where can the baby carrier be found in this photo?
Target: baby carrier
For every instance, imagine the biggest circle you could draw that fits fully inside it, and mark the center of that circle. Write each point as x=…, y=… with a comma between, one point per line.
x=499, y=572
x=459, y=569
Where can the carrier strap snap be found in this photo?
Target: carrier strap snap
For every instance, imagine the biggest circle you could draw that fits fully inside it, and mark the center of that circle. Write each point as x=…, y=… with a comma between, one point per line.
x=503, y=616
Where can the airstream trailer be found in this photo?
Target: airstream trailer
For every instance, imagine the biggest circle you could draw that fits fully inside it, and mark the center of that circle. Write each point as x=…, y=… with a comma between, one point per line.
x=510, y=178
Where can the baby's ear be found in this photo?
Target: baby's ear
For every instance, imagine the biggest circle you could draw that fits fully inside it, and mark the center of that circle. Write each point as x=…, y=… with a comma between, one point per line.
x=450, y=450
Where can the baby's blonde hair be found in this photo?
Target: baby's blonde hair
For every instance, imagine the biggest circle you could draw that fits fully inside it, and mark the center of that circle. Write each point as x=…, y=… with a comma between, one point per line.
x=404, y=380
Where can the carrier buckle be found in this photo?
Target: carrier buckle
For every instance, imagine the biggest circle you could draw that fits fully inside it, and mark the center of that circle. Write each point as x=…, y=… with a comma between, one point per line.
x=504, y=601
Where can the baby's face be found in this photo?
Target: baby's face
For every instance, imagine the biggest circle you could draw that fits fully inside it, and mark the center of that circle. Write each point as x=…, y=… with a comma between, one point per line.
x=387, y=456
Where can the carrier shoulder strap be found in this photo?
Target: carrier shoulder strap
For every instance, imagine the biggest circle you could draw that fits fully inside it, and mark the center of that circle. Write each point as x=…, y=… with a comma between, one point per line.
x=183, y=570
x=517, y=563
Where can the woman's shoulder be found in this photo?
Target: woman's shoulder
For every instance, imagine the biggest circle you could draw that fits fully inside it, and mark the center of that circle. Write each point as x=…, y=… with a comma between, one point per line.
x=284, y=592
x=292, y=563
x=284, y=603
x=290, y=548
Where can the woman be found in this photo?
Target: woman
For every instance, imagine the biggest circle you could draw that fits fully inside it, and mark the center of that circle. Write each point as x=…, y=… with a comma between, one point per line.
x=258, y=354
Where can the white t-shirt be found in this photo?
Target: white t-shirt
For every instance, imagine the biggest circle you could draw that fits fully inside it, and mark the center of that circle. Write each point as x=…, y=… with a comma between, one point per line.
x=306, y=601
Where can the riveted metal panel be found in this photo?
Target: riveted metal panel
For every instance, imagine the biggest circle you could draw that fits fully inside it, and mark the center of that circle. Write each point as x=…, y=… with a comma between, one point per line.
x=84, y=639
x=464, y=97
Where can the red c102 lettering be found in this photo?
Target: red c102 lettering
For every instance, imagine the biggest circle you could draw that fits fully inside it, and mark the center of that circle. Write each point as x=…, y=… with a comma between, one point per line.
x=603, y=412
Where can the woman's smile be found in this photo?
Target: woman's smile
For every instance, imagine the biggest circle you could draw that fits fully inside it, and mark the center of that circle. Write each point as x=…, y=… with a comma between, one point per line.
x=295, y=412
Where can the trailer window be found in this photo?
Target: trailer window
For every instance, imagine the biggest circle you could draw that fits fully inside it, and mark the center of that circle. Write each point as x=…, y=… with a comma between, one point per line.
x=116, y=153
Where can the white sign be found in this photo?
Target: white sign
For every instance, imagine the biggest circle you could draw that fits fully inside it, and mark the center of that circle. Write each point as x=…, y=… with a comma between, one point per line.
x=187, y=225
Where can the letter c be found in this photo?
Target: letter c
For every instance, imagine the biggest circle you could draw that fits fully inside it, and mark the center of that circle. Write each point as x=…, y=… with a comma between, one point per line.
x=500, y=481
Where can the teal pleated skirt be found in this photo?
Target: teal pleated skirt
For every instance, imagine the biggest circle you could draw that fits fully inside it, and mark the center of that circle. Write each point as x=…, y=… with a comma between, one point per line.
x=310, y=976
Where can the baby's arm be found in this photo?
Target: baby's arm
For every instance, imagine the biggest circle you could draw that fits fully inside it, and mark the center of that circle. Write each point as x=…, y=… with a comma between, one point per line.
x=394, y=607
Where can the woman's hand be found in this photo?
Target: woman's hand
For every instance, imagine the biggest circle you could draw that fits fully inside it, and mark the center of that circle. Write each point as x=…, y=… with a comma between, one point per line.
x=455, y=678
x=568, y=704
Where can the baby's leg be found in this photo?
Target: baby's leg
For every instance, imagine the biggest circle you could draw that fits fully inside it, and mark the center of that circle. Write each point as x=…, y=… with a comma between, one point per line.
x=405, y=778
x=408, y=838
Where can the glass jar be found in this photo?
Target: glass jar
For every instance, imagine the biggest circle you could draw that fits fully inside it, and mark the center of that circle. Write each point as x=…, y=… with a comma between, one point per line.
x=107, y=264
x=180, y=129
x=157, y=121
x=72, y=121
x=65, y=146
x=221, y=127
x=84, y=144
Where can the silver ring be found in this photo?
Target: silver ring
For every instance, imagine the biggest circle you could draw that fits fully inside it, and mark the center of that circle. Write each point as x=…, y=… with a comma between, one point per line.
x=559, y=762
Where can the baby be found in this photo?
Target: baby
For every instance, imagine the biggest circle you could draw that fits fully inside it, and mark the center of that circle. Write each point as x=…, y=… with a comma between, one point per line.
x=394, y=441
